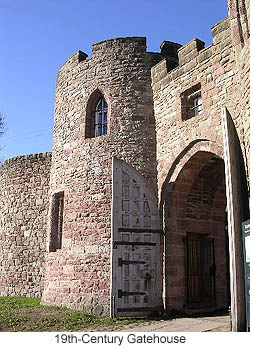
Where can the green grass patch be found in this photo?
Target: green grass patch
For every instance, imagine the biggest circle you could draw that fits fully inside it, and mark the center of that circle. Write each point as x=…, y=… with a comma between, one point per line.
x=26, y=314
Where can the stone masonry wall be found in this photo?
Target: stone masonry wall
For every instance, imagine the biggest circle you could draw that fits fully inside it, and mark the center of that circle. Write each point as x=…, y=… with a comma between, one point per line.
x=221, y=71
x=24, y=184
x=214, y=69
x=78, y=274
x=239, y=13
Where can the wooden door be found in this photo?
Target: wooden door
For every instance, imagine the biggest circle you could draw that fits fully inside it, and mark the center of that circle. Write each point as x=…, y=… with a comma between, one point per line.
x=238, y=211
x=136, y=288
x=200, y=270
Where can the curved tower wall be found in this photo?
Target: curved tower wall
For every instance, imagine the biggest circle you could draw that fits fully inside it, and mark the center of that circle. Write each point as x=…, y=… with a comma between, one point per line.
x=78, y=273
x=24, y=183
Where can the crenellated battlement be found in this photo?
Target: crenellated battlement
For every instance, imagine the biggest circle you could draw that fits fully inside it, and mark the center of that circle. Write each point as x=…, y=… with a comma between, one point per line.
x=219, y=30
x=114, y=47
x=190, y=51
x=73, y=61
x=124, y=47
x=193, y=54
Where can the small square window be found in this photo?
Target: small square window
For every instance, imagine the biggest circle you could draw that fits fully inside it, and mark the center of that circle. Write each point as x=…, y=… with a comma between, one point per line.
x=191, y=102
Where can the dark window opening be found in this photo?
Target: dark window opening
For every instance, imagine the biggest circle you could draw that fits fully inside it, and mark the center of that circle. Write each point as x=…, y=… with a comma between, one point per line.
x=56, y=222
x=191, y=102
x=101, y=118
x=96, y=122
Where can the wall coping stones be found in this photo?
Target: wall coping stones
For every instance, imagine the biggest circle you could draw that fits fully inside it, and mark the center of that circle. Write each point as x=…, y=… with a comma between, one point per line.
x=138, y=45
x=186, y=54
x=190, y=50
x=205, y=54
x=192, y=53
x=127, y=39
x=224, y=24
x=74, y=60
x=23, y=158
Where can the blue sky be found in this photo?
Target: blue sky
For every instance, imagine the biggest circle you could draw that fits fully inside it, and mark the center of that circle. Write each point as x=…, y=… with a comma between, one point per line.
x=38, y=36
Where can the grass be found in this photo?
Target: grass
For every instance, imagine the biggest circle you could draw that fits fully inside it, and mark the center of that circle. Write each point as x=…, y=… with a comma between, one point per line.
x=22, y=314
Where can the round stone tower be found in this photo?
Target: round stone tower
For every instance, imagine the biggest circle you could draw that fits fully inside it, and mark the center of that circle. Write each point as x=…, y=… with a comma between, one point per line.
x=103, y=109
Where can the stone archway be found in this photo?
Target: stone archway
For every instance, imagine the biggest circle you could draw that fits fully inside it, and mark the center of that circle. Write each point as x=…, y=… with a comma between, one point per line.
x=194, y=203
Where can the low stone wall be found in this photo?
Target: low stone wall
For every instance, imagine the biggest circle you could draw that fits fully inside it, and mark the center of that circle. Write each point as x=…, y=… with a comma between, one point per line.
x=24, y=182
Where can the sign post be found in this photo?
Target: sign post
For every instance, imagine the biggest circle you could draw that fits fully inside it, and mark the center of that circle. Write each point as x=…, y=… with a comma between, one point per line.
x=246, y=255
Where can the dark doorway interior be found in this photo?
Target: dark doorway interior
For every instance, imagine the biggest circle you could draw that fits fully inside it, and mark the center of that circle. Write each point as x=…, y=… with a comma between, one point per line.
x=200, y=278
x=195, y=244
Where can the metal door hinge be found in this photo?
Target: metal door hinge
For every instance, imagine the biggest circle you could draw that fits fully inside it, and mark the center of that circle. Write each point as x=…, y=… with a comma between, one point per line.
x=125, y=293
x=121, y=262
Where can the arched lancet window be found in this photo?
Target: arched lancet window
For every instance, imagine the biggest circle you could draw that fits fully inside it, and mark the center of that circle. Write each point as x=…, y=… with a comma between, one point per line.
x=96, y=121
x=101, y=115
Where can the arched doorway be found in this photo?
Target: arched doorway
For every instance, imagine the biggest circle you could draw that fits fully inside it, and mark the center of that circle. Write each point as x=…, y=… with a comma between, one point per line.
x=196, y=256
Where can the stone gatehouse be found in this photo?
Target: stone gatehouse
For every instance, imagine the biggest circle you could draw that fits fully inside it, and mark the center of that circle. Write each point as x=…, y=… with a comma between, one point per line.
x=137, y=210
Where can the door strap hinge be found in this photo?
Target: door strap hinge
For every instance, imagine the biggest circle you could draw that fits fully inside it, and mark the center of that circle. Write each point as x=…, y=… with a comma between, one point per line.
x=134, y=243
x=121, y=262
x=124, y=293
x=140, y=230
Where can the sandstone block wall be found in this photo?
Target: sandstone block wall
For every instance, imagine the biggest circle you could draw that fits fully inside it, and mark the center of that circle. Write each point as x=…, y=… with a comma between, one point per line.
x=24, y=184
x=214, y=69
x=239, y=13
x=221, y=73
